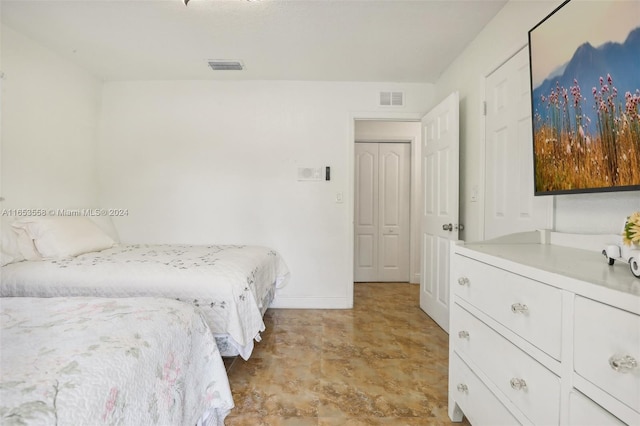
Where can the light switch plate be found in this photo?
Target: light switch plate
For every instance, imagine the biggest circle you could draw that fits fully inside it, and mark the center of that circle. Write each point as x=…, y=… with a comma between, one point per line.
x=474, y=193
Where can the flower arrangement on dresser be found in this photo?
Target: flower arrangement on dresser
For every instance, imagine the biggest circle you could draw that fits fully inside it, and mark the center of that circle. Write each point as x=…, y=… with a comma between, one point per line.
x=629, y=250
x=631, y=232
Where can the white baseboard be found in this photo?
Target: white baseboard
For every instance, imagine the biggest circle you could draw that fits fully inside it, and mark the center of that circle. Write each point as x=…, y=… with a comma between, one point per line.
x=312, y=303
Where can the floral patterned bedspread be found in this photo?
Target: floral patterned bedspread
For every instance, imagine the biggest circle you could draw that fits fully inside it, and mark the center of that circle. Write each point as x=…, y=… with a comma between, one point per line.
x=97, y=361
x=227, y=283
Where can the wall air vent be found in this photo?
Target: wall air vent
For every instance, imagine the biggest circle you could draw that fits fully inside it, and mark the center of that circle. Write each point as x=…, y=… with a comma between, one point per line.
x=226, y=65
x=392, y=99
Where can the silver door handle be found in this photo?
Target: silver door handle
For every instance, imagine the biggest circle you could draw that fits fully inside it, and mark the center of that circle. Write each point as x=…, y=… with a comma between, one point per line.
x=447, y=227
x=459, y=227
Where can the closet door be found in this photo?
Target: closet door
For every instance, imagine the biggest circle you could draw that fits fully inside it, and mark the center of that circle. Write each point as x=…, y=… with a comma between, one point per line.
x=393, y=211
x=366, y=213
x=382, y=212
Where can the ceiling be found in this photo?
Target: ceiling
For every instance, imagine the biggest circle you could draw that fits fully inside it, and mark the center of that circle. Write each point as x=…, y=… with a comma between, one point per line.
x=324, y=40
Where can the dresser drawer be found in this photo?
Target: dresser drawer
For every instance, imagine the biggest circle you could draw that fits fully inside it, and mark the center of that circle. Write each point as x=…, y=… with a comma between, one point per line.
x=606, y=348
x=529, y=308
x=527, y=383
x=475, y=398
x=584, y=412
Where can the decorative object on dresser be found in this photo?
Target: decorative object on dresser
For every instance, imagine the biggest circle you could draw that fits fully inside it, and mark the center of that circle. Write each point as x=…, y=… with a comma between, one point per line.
x=629, y=250
x=529, y=343
x=631, y=230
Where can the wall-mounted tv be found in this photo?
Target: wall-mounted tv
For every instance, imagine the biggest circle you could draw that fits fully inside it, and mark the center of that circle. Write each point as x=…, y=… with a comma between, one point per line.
x=585, y=97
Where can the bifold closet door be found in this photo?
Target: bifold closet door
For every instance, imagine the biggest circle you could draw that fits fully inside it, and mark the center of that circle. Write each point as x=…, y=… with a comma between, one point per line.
x=382, y=207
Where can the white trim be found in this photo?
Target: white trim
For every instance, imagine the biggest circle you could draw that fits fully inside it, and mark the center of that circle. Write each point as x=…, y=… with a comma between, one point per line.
x=313, y=302
x=351, y=146
x=378, y=139
x=518, y=48
x=483, y=154
x=386, y=116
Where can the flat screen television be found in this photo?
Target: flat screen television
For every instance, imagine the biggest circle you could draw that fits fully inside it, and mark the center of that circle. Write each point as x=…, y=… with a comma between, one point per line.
x=584, y=62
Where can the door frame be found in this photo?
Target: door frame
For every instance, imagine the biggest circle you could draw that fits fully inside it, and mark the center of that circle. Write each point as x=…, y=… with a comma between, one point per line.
x=351, y=170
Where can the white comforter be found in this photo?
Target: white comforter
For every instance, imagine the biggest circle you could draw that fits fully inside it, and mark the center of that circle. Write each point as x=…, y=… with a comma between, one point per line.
x=228, y=284
x=93, y=361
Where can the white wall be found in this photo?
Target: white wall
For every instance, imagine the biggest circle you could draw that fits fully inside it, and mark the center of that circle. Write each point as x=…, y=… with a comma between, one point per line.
x=216, y=162
x=394, y=131
x=599, y=213
x=194, y=161
x=50, y=111
x=500, y=39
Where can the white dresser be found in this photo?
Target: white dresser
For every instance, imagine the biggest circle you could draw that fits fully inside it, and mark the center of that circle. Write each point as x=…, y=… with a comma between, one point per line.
x=542, y=334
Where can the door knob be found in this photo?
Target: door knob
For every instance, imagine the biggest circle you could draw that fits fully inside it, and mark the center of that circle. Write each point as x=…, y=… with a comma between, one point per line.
x=447, y=227
x=462, y=387
x=519, y=308
x=623, y=364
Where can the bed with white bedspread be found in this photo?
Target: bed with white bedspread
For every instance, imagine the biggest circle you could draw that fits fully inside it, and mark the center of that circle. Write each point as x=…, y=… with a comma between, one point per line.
x=231, y=285
x=100, y=361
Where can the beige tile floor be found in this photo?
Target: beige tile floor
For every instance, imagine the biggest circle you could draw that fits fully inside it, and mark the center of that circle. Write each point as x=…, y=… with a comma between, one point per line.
x=384, y=362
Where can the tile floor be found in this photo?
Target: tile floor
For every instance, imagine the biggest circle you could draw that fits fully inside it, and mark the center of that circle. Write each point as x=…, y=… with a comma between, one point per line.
x=382, y=363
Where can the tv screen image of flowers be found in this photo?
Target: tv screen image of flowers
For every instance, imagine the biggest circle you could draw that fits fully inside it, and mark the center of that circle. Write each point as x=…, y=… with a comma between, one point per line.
x=585, y=91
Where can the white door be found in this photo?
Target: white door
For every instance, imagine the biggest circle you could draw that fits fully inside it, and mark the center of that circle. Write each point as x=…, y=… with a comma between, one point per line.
x=510, y=205
x=439, y=216
x=382, y=208
x=366, y=213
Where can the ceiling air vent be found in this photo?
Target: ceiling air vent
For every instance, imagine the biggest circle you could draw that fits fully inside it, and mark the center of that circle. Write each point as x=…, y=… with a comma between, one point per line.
x=393, y=99
x=225, y=65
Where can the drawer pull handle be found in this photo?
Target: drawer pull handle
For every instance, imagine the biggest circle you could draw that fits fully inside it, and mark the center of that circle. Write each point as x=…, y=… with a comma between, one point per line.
x=463, y=280
x=518, y=384
x=463, y=334
x=519, y=308
x=623, y=364
x=463, y=388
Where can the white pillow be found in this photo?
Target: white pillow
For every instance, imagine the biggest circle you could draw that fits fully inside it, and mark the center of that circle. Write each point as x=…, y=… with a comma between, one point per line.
x=26, y=248
x=10, y=249
x=65, y=236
